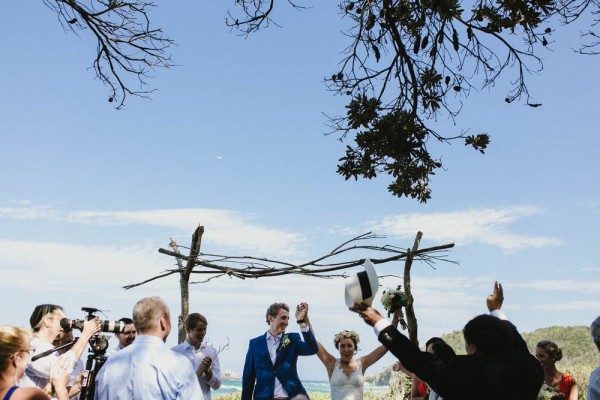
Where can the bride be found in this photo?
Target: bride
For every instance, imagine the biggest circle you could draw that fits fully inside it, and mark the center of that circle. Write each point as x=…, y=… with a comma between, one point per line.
x=346, y=374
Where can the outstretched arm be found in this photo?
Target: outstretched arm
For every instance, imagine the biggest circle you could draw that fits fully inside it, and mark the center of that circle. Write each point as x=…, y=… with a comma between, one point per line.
x=326, y=358
x=380, y=351
x=309, y=346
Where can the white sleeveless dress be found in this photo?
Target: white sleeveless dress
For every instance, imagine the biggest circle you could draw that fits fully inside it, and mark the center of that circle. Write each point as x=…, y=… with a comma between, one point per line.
x=345, y=387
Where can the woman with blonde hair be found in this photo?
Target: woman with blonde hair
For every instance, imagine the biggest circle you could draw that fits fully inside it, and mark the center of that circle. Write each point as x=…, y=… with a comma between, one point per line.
x=346, y=374
x=548, y=353
x=14, y=356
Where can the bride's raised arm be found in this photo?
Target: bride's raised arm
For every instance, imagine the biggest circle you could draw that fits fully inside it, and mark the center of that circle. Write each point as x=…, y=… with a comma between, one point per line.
x=380, y=351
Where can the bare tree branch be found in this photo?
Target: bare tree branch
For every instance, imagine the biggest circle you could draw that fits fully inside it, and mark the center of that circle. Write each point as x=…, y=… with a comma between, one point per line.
x=127, y=45
x=324, y=266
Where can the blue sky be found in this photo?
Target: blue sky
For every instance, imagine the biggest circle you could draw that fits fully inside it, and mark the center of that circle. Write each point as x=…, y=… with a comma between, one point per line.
x=232, y=139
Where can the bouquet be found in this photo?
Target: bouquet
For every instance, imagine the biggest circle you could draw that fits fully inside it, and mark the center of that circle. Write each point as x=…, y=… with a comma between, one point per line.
x=546, y=392
x=393, y=300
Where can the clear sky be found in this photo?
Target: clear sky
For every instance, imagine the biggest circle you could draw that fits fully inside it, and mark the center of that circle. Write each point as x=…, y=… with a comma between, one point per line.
x=232, y=140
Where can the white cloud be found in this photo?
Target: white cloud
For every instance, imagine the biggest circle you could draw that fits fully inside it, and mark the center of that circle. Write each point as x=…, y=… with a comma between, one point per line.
x=28, y=213
x=44, y=265
x=229, y=229
x=561, y=285
x=486, y=226
x=568, y=306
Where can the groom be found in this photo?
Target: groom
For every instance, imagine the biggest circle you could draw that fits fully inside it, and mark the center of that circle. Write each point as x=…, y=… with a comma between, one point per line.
x=270, y=368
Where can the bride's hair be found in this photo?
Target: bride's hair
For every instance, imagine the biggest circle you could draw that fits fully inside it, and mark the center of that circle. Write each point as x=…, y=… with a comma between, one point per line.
x=345, y=334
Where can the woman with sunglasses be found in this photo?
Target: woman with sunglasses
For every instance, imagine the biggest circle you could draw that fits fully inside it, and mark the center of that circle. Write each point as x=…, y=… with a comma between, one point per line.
x=14, y=356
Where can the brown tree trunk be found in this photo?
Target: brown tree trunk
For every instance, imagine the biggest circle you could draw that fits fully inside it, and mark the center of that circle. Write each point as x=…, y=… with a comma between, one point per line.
x=411, y=319
x=184, y=281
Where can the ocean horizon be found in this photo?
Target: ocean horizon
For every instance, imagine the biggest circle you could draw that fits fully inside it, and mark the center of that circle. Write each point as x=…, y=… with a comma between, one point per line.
x=233, y=386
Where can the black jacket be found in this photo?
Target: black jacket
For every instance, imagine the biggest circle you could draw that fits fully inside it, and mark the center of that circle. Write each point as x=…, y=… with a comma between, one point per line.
x=514, y=376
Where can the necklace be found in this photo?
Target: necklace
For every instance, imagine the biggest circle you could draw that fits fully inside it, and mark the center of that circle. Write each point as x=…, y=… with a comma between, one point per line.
x=550, y=381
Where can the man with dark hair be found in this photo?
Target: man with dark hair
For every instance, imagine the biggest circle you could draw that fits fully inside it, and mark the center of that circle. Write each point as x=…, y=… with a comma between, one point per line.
x=270, y=367
x=148, y=369
x=126, y=337
x=497, y=366
x=204, y=358
x=593, y=392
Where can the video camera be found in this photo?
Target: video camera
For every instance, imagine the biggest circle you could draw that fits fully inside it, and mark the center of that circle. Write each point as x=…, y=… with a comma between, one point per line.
x=106, y=326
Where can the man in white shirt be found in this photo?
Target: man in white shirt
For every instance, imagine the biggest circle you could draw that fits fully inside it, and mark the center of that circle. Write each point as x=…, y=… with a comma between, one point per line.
x=126, y=337
x=204, y=358
x=147, y=369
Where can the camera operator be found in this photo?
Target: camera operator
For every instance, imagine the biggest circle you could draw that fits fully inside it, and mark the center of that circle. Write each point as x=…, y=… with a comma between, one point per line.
x=45, y=322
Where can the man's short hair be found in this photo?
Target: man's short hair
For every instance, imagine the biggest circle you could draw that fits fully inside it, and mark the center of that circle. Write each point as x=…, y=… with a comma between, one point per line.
x=38, y=314
x=127, y=321
x=274, y=308
x=434, y=339
x=194, y=319
x=147, y=312
x=595, y=331
x=489, y=335
x=443, y=351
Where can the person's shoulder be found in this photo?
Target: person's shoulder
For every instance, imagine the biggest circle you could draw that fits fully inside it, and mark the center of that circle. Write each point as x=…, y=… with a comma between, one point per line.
x=258, y=338
x=179, y=347
x=29, y=393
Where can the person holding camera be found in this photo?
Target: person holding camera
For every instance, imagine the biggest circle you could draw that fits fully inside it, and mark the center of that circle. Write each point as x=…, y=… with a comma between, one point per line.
x=45, y=322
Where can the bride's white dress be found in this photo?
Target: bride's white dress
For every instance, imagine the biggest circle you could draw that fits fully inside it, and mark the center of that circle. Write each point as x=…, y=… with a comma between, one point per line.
x=345, y=387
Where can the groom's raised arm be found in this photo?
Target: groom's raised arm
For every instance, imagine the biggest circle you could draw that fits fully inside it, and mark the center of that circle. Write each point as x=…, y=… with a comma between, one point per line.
x=310, y=346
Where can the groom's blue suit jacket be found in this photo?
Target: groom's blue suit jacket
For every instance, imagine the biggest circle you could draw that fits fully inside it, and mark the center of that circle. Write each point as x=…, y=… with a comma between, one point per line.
x=258, y=380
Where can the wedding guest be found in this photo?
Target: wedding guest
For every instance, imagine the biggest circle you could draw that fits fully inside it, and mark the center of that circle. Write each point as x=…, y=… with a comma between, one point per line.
x=45, y=322
x=270, y=367
x=418, y=389
x=76, y=376
x=203, y=357
x=345, y=373
x=593, y=392
x=147, y=369
x=126, y=337
x=497, y=365
x=15, y=353
x=548, y=353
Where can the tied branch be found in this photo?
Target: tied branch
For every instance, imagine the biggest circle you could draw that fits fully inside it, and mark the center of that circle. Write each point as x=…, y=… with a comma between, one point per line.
x=243, y=267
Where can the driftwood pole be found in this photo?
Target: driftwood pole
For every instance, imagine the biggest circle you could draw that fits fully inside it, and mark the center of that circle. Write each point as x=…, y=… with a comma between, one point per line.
x=184, y=279
x=411, y=319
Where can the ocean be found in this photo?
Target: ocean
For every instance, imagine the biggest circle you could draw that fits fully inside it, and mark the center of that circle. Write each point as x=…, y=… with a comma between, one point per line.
x=310, y=386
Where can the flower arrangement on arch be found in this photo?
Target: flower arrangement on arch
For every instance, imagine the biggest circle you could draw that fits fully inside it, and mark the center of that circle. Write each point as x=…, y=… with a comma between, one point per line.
x=393, y=300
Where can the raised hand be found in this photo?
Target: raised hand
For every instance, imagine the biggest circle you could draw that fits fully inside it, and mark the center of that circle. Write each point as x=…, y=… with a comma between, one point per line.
x=368, y=314
x=494, y=301
x=301, y=311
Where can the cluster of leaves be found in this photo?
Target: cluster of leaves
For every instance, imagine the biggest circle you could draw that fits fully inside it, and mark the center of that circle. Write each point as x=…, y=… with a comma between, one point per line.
x=407, y=63
x=410, y=61
x=432, y=51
